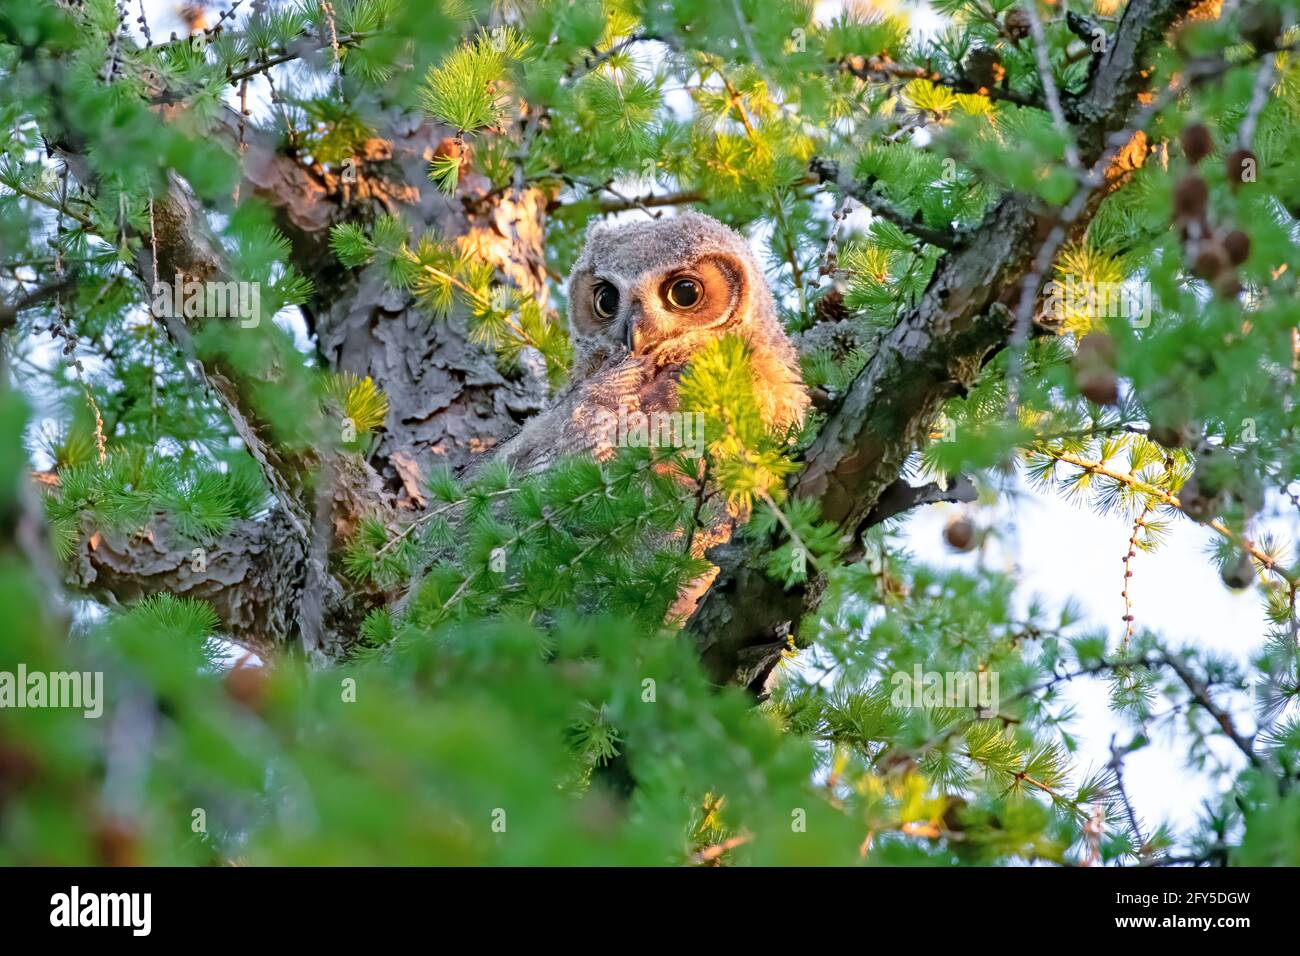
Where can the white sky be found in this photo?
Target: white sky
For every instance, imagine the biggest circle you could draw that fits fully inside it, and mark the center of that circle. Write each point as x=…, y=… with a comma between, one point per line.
x=1064, y=551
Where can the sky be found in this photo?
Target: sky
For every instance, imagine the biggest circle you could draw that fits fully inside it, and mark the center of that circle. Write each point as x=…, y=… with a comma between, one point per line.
x=1065, y=552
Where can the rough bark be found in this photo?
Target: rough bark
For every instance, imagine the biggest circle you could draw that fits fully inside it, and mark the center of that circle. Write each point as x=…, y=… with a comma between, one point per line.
x=448, y=401
x=251, y=577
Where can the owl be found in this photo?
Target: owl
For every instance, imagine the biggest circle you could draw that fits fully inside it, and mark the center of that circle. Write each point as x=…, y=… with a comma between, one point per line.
x=644, y=297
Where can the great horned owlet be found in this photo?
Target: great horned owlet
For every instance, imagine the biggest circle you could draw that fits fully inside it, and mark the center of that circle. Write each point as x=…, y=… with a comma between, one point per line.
x=643, y=298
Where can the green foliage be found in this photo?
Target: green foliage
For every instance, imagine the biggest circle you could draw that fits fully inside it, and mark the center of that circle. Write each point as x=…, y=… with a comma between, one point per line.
x=749, y=461
x=183, y=625
x=123, y=492
x=445, y=171
x=443, y=275
x=358, y=400
x=516, y=674
x=463, y=91
x=333, y=131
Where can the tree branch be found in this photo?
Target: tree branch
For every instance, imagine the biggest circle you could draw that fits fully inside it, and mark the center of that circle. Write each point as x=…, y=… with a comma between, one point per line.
x=876, y=69
x=181, y=244
x=934, y=351
x=901, y=496
x=9, y=311
x=250, y=575
x=1201, y=695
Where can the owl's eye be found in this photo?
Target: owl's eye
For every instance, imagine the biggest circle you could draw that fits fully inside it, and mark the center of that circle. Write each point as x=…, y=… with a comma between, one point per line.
x=604, y=300
x=684, y=294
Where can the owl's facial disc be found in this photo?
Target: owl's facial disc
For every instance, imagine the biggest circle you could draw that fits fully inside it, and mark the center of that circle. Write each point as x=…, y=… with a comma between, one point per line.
x=659, y=310
x=703, y=296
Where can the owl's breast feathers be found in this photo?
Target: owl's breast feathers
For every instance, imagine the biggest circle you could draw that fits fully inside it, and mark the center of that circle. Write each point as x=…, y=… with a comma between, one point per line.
x=624, y=387
x=592, y=415
x=585, y=417
x=778, y=384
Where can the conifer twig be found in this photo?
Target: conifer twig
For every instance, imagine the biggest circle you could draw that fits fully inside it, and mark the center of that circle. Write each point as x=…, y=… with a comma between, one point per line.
x=746, y=34
x=1200, y=692
x=1030, y=7
x=701, y=495
x=537, y=525
x=796, y=272
x=429, y=516
x=51, y=204
x=1116, y=767
x=337, y=45
x=1258, y=100
x=829, y=171
x=1138, y=524
x=882, y=69
x=1129, y=555
x=1090, y=670
x=1101, y=468
x=9, y=310
x=572, y=74
x=144, y=27
x=648, y=202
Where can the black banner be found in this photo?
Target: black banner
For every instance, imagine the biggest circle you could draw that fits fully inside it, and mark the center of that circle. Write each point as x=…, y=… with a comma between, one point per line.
x=234, y=905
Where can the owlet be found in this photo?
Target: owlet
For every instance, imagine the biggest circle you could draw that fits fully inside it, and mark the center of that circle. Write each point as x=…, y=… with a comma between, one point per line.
x=643, y=298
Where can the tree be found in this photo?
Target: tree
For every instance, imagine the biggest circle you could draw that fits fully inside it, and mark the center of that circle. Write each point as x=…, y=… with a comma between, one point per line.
x=269, y=287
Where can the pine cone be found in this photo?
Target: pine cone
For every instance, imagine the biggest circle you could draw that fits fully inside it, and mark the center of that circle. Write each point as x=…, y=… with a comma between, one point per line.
x=1197, y=142
x=830, y=307
x=1237, y=243
x=1190, y=196
x=1241, y=167
x=960, y=534
x=1211, y=260
x=983, y=68
x=1015, y=23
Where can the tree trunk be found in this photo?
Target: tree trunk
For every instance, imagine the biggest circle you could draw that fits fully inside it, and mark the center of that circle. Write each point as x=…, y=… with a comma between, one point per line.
x=448, y=400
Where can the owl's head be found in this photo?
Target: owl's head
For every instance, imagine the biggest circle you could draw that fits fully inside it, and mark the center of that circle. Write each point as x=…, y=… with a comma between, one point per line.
x=657, y=291
x=661, y=288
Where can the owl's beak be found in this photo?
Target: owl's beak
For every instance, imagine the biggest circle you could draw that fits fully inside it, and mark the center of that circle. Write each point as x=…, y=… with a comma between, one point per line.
x=631, y=331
